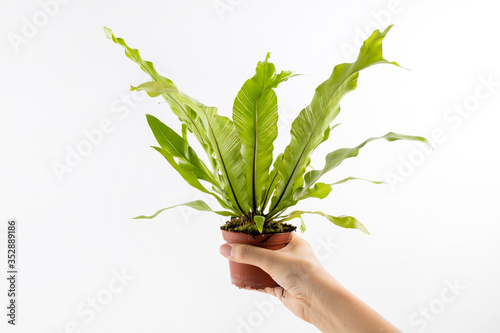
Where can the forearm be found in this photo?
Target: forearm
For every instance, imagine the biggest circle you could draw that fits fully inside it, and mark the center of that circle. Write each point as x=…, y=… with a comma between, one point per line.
x=333, y=309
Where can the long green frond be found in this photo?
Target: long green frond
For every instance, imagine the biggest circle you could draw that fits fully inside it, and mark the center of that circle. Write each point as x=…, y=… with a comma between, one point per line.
x=255, y=116
x=308, y=129
x=197, y=204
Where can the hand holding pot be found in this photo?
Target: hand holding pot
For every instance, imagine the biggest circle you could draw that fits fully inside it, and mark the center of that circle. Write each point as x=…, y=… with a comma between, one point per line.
x=307, y=289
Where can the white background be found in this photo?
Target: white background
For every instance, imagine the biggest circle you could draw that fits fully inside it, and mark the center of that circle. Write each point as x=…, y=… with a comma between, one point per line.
x=437, y=225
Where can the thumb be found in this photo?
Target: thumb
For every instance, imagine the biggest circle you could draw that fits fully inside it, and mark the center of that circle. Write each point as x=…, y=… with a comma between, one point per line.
x=252, y=255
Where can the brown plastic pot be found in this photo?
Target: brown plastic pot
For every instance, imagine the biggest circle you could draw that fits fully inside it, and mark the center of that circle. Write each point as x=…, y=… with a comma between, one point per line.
x=243, y=275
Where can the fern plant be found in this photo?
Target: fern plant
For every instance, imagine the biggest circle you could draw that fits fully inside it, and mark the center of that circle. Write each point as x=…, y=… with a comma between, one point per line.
x=241, y=173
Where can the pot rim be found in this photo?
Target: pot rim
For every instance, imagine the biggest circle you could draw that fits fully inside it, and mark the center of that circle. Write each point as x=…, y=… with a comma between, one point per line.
x=245, y=233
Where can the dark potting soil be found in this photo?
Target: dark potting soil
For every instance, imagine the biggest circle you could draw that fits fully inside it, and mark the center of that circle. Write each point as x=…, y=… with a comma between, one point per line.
x=238, y=224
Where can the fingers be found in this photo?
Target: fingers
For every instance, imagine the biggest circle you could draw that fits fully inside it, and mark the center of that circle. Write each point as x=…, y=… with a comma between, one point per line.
x=252, y=255
x=264, y=258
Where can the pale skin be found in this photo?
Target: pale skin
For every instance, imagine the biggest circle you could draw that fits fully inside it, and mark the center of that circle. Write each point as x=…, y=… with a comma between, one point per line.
x=308, y=290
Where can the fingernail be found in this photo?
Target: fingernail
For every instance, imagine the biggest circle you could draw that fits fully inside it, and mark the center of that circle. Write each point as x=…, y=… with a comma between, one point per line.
x=225, y=250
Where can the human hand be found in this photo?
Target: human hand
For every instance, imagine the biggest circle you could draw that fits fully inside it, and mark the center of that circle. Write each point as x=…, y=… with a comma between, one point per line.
x=295, y=268
x=307, y=289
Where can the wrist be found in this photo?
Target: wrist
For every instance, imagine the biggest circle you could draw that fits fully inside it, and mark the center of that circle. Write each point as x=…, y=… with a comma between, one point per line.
x=326, y=294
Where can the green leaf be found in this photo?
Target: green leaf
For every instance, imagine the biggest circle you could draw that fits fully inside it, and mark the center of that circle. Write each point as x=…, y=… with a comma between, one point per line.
x=320, y=191
x=302, y=225
x=308, y=129
x=328, y=131
x=341, y=221
x=198, y=205
x=191, y=178
x=336, y=157
x=255, y=116
x=133, y=54
x=178, y=147
x=185, y=132
x=225, y=142
x=155, y=89
x=259, y=222
x=274, y=178
x=181, y=104
x=193, y=109
x=223, y=139
x=326, y=135
x=355, y=178
x=299, y=182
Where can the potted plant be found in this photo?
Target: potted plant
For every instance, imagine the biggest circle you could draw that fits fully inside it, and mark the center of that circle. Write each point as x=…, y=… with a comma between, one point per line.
x=254, y=190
